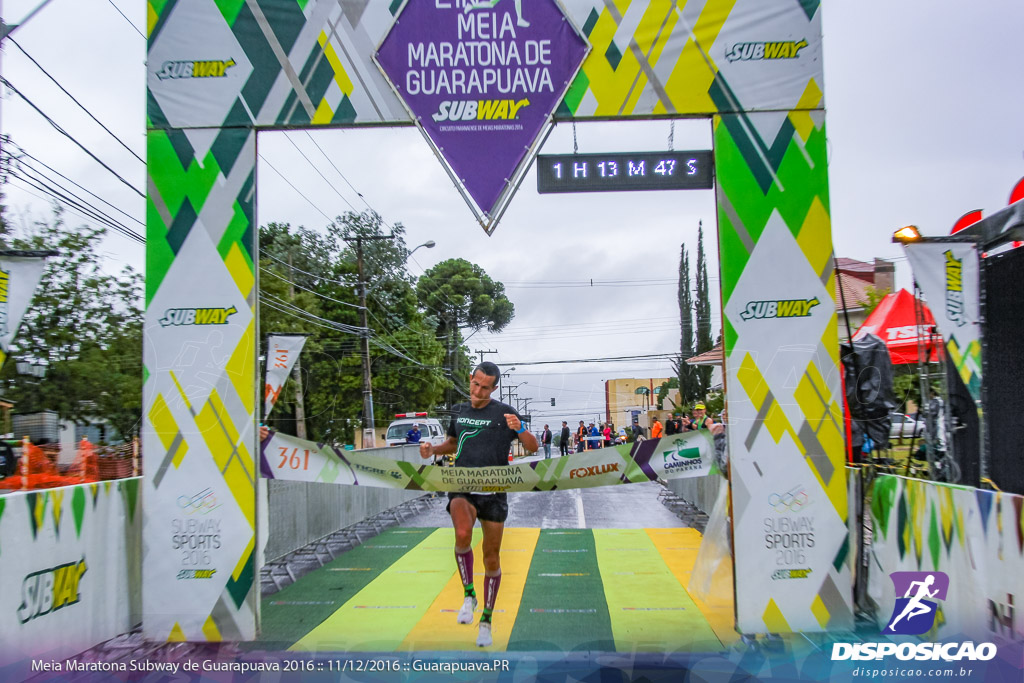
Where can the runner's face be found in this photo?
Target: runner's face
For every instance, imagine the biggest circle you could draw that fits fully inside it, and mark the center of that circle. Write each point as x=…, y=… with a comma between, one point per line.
x=481, y=387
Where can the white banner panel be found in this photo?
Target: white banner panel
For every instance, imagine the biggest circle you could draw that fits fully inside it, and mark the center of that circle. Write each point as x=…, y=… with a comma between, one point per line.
x=282, y=352
x=947, y=273
x=19, y=278
x=674, y=457
x=973, y=536
x=69, y=570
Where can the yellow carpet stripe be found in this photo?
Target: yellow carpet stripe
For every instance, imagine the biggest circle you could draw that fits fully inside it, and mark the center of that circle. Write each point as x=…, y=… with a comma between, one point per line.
x=678, y=549
x=649, y=613
x=380, y=616
x=438, y=630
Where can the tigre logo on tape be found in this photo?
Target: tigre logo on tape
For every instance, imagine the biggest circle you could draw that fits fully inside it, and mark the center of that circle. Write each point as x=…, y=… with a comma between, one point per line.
x=779, y=308
x=782, y=49
x=207, y=68
x=197, y=316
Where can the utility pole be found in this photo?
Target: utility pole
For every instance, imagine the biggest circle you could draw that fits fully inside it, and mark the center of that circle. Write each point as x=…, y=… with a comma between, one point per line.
x=482, y=354
x=369, y=440
x=300, y=406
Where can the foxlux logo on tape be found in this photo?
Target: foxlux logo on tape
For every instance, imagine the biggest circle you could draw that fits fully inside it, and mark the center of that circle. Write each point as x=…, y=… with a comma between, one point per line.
x=914, y=614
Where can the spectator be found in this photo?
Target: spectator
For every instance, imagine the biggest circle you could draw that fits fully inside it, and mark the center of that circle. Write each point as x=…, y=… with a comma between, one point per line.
x=581, y=437
x=656, y=429
x=545, y=439
x=563, y=441
x=595, y=437
x=700, y=418
x=413, y=435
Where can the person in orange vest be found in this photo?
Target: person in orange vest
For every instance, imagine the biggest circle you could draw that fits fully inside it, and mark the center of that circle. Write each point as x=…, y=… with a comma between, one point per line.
x=656, y=429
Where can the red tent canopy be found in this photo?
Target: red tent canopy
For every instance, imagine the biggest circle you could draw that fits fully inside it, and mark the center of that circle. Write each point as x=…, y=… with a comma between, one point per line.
x=895, y=322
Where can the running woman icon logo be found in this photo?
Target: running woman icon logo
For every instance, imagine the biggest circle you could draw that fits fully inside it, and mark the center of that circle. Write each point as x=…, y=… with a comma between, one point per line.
x=914, y=612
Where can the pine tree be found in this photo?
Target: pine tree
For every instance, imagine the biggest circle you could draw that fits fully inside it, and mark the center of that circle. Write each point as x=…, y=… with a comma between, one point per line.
x=688, y=387
x=703, y=310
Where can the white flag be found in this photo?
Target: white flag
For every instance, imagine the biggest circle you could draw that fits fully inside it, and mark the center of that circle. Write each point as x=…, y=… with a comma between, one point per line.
x=282, y=352
x=19, y=277
x=947, y=273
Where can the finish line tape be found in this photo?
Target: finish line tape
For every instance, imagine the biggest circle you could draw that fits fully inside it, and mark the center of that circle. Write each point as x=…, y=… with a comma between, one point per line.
x=679, y=456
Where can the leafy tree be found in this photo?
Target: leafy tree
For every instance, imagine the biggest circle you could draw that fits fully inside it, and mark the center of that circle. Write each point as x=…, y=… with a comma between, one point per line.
x=874, y=297
x=689, y=388
x=309, y=283
x=86, y=326
x=663, y=392
x=703, y=310
x=462, y=296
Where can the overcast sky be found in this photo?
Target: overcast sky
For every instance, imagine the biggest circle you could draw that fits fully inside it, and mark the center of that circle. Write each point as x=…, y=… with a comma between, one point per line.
x=923, y=104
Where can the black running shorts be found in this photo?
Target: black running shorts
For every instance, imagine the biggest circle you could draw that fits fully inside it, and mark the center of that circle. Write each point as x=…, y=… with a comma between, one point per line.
x=492, y=507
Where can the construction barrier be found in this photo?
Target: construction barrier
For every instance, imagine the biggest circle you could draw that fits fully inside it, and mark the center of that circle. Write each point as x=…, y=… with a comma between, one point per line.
x=38, y=467
x=70, y=563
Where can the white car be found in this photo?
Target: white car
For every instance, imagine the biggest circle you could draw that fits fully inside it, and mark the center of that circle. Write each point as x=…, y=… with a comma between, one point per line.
x=431, y=430
x=904, y=426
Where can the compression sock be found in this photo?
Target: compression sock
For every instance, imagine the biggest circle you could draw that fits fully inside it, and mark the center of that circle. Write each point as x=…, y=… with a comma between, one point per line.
x=464, y=561
x=491, y=584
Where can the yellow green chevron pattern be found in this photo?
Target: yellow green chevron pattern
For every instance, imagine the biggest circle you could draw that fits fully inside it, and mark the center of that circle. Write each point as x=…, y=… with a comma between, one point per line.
x=309, y=63
x=786, y=430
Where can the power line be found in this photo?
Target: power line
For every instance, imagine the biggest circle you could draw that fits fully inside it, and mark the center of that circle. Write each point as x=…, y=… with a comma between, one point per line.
x=127, y=19
x=81, y=106
x=63, y=132
x=296, y=284
x=310, y=162
x=609, y=359
x=24, y=153
x=329, y=219
x=39, y=181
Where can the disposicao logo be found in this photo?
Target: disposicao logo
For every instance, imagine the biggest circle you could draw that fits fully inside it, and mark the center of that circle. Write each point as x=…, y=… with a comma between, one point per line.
x=955, y=289
x=914, y=614
x=777, y=49
x=207, y=68
x=779, y=308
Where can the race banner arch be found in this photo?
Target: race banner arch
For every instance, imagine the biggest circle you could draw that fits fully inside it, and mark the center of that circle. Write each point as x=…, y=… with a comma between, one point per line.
x=219, y=71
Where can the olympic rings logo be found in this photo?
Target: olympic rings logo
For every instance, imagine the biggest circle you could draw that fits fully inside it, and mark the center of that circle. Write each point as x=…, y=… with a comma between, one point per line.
x=201, y=503
x=790, y=501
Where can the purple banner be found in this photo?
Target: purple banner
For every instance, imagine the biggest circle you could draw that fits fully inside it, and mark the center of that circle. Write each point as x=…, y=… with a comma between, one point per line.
x=482, y=79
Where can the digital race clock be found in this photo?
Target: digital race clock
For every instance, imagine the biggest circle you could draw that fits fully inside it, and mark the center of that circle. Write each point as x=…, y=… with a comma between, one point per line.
x=623, y=172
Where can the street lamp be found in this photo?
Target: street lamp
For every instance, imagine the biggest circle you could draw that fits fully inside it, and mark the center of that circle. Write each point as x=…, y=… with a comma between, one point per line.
x=429, y=244
x=906, y=235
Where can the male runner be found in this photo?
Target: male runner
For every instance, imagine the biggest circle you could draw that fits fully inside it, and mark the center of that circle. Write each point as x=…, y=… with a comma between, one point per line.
x=480, y=434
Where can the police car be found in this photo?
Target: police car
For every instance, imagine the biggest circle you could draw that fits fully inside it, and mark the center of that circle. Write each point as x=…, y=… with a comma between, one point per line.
x=431, y=430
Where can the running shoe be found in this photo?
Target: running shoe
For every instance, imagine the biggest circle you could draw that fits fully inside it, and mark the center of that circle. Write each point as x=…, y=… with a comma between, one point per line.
x=484, y=638
x=466, y=613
